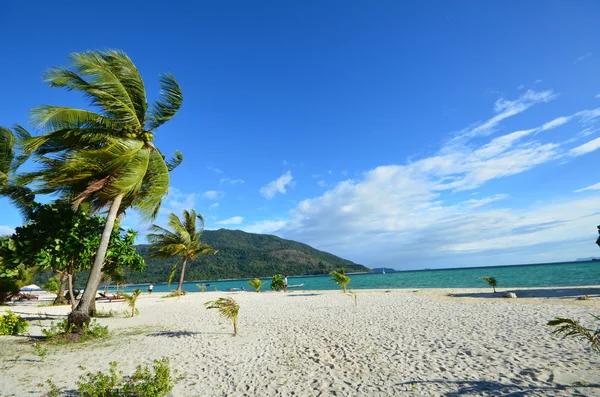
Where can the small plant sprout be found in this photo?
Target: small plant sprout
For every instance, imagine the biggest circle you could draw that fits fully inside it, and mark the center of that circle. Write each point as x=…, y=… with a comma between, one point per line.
x=353, y=294
x=202, y=287
x=131, y=299
x=227, y=308
x=491, y=281
x=568, y=327
x=256, y=284
x=339, y=276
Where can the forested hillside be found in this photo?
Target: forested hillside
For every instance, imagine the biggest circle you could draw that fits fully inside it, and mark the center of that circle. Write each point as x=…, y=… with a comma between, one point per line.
x=244, y=255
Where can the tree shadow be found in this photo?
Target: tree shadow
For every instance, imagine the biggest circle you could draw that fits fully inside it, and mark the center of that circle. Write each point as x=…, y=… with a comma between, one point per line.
x=36, y=316
x=184, y=334
x=564, y=293
x=492, y=388
x=311, y=294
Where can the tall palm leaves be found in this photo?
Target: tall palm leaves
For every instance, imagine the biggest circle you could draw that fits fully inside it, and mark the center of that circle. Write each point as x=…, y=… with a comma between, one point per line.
x=183, y=240
x=104, y=156
x=227, y=308
x=10, y=160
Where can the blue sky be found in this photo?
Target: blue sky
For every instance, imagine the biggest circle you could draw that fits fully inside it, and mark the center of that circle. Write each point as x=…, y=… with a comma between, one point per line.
x=409, y=135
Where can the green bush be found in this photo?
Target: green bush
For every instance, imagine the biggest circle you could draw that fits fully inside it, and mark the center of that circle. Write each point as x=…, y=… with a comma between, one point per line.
x=62, y=328
x=155, y=381
x=277, y=283
x=12, y=324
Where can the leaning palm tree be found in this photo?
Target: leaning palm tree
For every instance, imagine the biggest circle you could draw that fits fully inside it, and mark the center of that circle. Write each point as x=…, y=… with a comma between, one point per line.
x=339, y=276
x=131, y=299
x=183, y=240
x=105, y=157
x=227, y=308
x=491, y=281
x=257, y=283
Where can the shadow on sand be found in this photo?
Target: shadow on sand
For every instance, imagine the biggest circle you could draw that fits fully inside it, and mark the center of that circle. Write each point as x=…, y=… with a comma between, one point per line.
x=564, y=293
x=311, y=294
x=491, y=388
x=184, y=334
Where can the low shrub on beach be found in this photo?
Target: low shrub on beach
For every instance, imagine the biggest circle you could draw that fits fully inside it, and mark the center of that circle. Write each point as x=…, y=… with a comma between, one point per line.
x=277, y=283
x=62, y=331
x=256, y=284
x=155, y=381
x=12, y=324
x=174, y=294
x=131, y=299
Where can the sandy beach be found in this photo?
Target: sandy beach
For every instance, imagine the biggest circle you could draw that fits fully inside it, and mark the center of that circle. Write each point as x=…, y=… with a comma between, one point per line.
x=318, y=343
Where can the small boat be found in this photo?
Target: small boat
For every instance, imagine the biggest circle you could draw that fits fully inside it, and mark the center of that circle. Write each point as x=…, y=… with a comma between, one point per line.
x=296, y=286
x=383, y=271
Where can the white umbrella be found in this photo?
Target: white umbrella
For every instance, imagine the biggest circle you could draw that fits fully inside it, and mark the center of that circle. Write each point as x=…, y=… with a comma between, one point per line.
x=31, y=287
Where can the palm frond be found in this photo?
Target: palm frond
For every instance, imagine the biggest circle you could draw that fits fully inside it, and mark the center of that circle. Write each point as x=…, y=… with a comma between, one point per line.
x=172, y=273
x=154, y=188
x=175, y=161
x=228, y=308
x=168, y=103
x=571, y=328
x=49, y=118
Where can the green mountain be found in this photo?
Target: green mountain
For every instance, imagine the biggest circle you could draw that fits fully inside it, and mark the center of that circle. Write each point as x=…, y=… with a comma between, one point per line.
x=245, y=255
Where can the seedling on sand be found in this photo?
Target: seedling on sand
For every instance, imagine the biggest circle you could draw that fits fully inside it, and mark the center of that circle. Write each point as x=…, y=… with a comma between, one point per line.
x=131, y=299
x=228, y=308
x=491, y=281
x=256, y=284
x=339, y=276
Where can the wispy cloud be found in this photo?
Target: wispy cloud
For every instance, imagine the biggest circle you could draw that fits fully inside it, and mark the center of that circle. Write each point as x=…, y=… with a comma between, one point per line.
x=232, y=181
x=582, y=58
x=322, y=184
x=264, y=227
x=214, y=169
x=279, y=185
x=6, y=230
x=592, y=187
x=213, y=194
x=585, y=148
x=235, y=220
x=213, y=206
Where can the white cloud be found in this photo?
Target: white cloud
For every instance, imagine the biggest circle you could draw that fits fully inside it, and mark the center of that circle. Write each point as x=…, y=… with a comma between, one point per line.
x=263, y=227
x=592, y=187
x=213, y=206
x=557, y=122
x=214, y=169
x=585, y=148
x=213, y=194
x=177, y=201
x=6, y=230
x=598, y=96
x=582, y=58
x=235, y=220
x=322, y=184
x=277, y=186
x=481, y=202
x=232, y=181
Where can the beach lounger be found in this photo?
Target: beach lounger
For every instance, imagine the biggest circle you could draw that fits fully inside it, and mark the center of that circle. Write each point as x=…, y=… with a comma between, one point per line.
x=109, y=298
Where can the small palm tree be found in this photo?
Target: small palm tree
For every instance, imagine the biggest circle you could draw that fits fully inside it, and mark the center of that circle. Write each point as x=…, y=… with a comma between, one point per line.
x=353, y=294
x=183, y=240
x=491, y=281
x=256, y=284
x=202, y=287
x=569, y=327
x=340, y=278
x=227, y=308
x=131, y=299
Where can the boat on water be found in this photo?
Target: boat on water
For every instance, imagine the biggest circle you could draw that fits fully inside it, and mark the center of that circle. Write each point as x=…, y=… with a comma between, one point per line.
x=383, y=271
x=296, y=286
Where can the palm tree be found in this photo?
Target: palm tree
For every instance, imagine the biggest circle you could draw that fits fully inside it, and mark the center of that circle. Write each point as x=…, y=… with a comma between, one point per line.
x=569, y=327
x=340, y=278
x=491, y=281
x=10, y=160
x=131, y=299
x=256, y=284
x=105, y=157
x=227, y=308
x=183, y=240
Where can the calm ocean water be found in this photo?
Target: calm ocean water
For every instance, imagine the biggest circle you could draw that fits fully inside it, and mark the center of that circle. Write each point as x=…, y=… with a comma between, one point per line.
x=554, y=275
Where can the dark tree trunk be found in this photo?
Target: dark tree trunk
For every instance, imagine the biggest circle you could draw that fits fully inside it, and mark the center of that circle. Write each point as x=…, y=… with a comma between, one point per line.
x=60, y=297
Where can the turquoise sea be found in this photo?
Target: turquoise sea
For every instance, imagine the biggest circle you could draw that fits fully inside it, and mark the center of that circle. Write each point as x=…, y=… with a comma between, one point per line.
x=549, y=275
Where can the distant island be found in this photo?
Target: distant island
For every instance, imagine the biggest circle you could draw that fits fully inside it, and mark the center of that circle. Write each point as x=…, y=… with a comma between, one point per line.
x=246, y=255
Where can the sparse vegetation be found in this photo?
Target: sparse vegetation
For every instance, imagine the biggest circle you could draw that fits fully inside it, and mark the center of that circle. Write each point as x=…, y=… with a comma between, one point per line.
x=202, y=287
x=131, y=299
x=12, y=324
x=63, y=331
x=571, y=328
x=146, y=381
x=354, y=295
x=53, y=391
x=174, y=294
x=339, y=276
x=40, y=350
x=227, y=308
x=491, y=281
x=277, y=283
x=256, y=284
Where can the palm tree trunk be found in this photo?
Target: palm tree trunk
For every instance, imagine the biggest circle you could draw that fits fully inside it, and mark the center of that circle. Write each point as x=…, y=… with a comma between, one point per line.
x=181, y=276
x=71, y=296
x=81, y=315
x=60, y=296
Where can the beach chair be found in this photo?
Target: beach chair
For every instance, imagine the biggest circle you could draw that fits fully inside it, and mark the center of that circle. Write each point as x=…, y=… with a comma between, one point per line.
x=109, y=298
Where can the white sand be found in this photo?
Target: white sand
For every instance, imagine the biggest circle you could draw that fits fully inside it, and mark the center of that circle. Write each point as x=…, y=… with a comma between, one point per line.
x=319, y=344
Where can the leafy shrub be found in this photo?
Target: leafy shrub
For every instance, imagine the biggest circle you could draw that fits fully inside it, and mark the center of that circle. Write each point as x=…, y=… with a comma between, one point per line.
x=92, y=330
x=174, y=294
x=256, y=284
x=155, y=381
x=12, y=324
x=277, y=283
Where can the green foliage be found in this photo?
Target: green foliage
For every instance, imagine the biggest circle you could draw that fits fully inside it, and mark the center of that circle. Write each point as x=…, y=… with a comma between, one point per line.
x=227, y=308
x=572, y=328
x=340, y=278
x=202, y=287
x=146, y=381
x=40, y=350
x=131, y=299
x=12, y=324
x=256, y=284
x=491, y=281
x=277, y=283
x=105, y=313
x=62, y=330
x=52, y=285
x=174, y=294
x=246, y=255
x=181, y=241
x=53, y=391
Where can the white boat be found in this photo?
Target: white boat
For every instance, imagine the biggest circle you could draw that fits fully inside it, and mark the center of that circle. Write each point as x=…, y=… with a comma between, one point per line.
x=296, y=286
x=383, y=271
